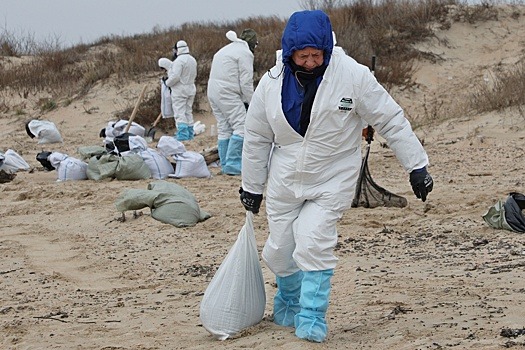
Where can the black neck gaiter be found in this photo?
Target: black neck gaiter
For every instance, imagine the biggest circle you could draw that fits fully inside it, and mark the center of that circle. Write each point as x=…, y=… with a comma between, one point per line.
x=309, y=82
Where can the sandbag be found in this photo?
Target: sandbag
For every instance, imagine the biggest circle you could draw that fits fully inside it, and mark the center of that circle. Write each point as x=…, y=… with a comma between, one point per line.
x=68, y=168
x=45, y=131
x=131, y=167
x=170, y=203
x=86, y=152
x=12, y=162
x=190, y=164
x=235, y=298
x=507, y=214
x=159, y=166
x=187, y=163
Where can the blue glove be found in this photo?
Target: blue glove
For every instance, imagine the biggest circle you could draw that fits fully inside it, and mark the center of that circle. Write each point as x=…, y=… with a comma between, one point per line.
x=421, y=183
x=251, y=202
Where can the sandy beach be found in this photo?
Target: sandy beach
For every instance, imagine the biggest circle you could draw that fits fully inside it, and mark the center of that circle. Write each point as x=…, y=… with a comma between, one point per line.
x=431, y=275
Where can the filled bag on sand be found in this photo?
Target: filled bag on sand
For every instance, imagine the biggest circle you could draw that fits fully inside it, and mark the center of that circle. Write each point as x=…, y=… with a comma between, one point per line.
x=235, y=298
x=507, y=214
x=68, y=168
x=130, y=167
x=44, y=130
x=12, y=162
x=187, y=163
x=170, y=203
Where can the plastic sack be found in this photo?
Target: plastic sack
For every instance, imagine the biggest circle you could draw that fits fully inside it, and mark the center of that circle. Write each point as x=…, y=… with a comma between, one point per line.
x=235, y=298
x=44, y=130
x=12, y=162
x=68, y=168
x=166, y=107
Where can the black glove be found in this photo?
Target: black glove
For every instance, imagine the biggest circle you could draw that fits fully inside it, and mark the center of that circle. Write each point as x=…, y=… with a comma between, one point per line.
x=421, y=183
x=251, y=202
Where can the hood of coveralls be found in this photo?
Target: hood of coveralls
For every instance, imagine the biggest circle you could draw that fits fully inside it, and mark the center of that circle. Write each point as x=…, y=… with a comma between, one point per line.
x=182, y=47
x=307, y=29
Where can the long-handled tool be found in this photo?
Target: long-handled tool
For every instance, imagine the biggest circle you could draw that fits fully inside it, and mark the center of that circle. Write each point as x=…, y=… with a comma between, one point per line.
x=135, y=109
x=368, y=193
x=150, y=134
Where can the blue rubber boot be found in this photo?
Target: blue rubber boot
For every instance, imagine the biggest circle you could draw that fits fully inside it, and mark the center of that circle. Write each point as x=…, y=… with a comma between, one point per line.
x=222, y=148
x=191, y=132
x=182, y=132
x=286, y=301
x=232, y=166
x=310, y=322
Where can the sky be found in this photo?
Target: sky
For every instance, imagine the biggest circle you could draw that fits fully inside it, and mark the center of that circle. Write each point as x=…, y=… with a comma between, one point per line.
x=71, y=22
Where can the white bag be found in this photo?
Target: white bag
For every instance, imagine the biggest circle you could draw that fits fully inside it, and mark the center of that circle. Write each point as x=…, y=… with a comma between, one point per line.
x=68, y=168
x=190, y=164
x=12, y=162
x=45, y=131
x=166, y=107
x=235, y=298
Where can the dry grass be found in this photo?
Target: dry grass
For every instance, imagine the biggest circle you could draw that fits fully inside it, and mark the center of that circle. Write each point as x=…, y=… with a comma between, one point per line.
x=385, y=28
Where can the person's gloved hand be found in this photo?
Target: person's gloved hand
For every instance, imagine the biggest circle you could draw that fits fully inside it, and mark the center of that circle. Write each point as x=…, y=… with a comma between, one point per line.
x=421, y=183
x=368, y=134
x=251, y=202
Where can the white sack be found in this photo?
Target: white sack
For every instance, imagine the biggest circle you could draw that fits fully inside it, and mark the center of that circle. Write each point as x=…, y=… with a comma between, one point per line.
x=169, y=145
x=120, y=126
x=12, y=162
x=166, y=108
x=187, y=163
x=45, y=131
x=190, y=164
x=68, y=168
x=235, y=298
x=158, y=164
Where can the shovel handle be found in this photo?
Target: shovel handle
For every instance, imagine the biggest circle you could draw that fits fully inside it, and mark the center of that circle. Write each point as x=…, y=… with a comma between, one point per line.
x=157, y=120
x=135, y=109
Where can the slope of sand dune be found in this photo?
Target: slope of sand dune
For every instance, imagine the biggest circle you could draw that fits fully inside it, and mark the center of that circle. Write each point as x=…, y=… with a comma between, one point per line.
x=432, y=275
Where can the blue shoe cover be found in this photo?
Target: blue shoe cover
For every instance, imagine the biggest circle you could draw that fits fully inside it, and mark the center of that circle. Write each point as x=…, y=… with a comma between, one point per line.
x=182, y=132
x=191, y=132
x=286, y=301
x=310, y=322
x=232, y=166
x=222, y=148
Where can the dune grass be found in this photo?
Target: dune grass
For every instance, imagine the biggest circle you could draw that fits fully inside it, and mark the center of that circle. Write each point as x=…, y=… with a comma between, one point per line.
x=385, y=28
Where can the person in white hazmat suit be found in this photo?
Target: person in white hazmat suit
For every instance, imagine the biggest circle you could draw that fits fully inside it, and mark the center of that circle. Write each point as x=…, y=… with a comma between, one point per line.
x=302, y=144
x=230, y=89
x=181, y=80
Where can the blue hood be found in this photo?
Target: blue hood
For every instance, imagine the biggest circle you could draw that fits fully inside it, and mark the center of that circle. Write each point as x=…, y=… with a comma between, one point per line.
x=307, y=29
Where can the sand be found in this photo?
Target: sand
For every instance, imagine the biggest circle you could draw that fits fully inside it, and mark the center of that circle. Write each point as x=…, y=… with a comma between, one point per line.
x=431, y=275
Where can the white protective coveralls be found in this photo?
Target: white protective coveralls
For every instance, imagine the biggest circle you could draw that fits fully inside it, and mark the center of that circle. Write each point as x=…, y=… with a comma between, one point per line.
x=230, y=90
x=311, y=180
x=181, y=80
x=230, y=86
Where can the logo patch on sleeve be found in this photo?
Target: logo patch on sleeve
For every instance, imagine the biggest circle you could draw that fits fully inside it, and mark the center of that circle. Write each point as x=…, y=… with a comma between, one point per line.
x=346, y=104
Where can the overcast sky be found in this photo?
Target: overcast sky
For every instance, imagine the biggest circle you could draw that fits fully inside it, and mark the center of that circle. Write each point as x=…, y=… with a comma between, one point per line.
x=84, y=21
